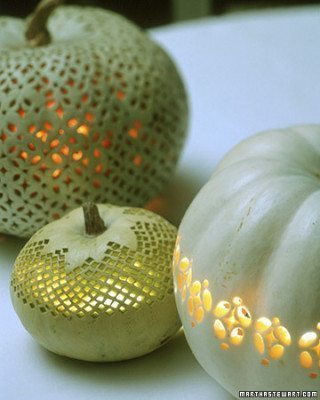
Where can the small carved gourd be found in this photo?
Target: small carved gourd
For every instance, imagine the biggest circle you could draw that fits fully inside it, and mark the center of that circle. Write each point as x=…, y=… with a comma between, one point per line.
x=97, y=285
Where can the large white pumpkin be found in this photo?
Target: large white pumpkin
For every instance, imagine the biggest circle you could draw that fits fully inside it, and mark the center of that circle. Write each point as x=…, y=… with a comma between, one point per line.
x=247, y=265
x=90, y=109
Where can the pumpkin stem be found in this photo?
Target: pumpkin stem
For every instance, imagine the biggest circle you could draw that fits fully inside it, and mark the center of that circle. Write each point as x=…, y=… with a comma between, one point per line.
x=37, y=33
x=94, y=224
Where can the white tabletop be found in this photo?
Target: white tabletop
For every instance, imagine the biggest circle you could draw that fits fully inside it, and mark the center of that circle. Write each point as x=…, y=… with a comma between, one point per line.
x=245, y=73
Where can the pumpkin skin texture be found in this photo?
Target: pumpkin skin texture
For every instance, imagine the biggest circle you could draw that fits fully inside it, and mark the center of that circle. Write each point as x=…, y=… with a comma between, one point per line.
x=99, y=113
x=246, y=265
x=98, y=298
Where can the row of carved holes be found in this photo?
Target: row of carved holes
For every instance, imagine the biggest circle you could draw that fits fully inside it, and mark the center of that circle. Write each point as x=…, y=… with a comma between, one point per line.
x=120, y=94
x=200, y=301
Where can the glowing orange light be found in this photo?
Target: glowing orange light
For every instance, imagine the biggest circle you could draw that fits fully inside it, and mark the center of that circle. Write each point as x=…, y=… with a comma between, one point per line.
x=207, y=299
x=32, y=128
x=24, y=155
x=85, y=161
x=224, y=346
x=276, y=351
x=89, y=117
x=42, y=135
x=21, y=112
x=60, y=112
x=65, y=150
x=56, y=158
x=121, y=95
x=306, y=360
x=137, y=160
x=83, y=130
x=262, y=324
x=72, y=122
x=308, y=339
x=99, y=168
x=233, y=319
x=133, y=133
x=97, y=153
x=56, y=173
x=54, y=143
x=48, y=125
x=50, y=103
x=222, y=309
x=77, y=155
x=35, y=159
x=219, y=329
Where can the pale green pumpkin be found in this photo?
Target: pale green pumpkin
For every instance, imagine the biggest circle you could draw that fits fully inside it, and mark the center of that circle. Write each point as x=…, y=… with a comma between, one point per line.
x=98, y=288
x=247, y=265
x=90, y=109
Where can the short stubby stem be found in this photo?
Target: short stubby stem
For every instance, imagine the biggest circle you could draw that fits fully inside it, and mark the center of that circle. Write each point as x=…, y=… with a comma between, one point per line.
x=37, y=33
x=94, y=224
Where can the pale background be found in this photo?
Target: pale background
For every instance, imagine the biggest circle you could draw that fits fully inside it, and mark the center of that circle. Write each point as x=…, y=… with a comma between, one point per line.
x=151, y=13
x=245, y=72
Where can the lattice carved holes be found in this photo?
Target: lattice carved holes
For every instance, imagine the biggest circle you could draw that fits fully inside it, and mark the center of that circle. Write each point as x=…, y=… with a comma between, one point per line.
x=98, y=115
x=122, y=281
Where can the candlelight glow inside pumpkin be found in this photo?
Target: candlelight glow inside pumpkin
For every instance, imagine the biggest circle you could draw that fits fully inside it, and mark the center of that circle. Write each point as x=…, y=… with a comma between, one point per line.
x=232, y=319
x=101, y=294
x=246, y=265
x=90, y=108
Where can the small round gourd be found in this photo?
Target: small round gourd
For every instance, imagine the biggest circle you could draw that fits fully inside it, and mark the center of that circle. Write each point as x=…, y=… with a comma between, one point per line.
x=247, y=265
x=90, y=108
x=97, y=285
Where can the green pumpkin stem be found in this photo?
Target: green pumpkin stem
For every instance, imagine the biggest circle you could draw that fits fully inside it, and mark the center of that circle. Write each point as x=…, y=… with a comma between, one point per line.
x=37, y=33
x=94, y=224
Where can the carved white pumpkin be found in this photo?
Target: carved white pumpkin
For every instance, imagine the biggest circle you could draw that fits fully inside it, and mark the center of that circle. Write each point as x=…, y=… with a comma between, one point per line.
x=99, y=288
x=90, y=109
x=247, y=265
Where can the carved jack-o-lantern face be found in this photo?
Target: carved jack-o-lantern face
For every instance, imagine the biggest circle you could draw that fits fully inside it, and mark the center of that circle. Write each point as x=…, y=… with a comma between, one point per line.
x=98, y=113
